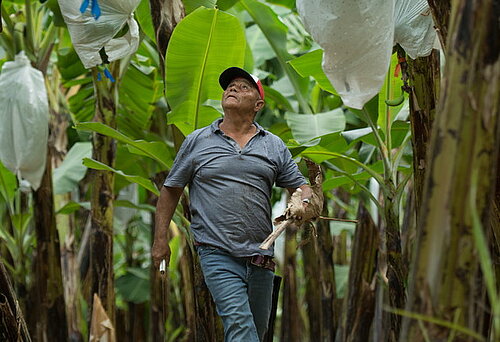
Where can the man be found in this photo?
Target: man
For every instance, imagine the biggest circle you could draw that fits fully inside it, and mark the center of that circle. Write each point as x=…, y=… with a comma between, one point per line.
x=230, y=167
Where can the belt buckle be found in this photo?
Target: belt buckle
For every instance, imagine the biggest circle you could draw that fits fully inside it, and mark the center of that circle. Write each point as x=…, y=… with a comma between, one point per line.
x=257, y=260
x=262, y=261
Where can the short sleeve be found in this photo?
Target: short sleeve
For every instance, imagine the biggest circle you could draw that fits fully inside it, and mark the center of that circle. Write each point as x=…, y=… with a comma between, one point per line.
x=289, y=175
x=182, y=170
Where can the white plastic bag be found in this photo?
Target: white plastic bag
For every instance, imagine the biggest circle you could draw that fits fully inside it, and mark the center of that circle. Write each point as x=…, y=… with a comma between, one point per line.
x=24, y=120
x=90, y=35
x=357, y=39
x=358, y=36
x=414, y=27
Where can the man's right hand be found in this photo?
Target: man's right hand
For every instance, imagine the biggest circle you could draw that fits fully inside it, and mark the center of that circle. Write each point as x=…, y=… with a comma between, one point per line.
x=160, y=251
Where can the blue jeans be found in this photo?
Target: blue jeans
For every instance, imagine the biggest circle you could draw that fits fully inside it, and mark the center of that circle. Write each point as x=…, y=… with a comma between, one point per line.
x=242, y=293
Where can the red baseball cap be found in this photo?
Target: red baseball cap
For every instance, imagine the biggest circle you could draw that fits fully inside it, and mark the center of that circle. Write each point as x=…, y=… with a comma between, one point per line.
x=234, y=72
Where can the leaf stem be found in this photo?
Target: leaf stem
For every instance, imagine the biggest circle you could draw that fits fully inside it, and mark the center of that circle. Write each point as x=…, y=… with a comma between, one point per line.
x=372, y=173
x=388, y=123
x=383, y=148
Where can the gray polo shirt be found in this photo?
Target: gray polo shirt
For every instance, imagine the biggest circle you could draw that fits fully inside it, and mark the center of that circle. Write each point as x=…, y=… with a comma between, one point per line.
x=230, y=188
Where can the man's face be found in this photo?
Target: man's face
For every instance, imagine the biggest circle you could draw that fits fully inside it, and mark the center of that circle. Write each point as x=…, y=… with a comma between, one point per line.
x=242, y=95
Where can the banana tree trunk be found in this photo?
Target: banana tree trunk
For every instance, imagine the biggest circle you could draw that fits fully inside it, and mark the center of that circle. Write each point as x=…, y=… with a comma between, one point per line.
x=462, y=169
x=101, y=240
x=396, y=266
x=321, y=294
x=49, y=310
x=292, y=326
x=494, y=234
x=160, y=288
x=65, y=223
x=159, y=306
x=130, y=323
x=359, y=306
x=313, y=291
x=424, y=82
x=187, y=269
x=441, y=15
x=319, y=271
x=166, y=15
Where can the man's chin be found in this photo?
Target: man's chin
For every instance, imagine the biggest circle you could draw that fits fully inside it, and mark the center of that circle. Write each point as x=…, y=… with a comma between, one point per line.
x=230, y=103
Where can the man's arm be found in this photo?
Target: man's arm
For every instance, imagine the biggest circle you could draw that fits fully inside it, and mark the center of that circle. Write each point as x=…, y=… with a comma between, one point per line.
x=165, y=208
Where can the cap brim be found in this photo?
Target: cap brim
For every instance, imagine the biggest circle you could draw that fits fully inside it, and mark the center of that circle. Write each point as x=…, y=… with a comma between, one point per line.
x=234, y=72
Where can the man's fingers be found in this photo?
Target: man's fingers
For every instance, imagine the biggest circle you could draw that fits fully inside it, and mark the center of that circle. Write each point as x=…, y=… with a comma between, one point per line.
x=160, y=251
x=157, y=259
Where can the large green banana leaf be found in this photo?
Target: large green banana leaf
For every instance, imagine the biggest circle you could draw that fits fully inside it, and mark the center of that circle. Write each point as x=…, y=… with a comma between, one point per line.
x=205, y=43
x=71, y=171
x=191, y=5
x=82, y=102
x=275, y=32
x=145, y=183
x=309, y=64
x=8, y=184
x=259, y=45
x=359, y=176
x=399, y=130
x=143, y=16
x=156, y=150
x=139, y=90
x=306, y=127
x=134, y=285
x=226, y=4
x=286, y=3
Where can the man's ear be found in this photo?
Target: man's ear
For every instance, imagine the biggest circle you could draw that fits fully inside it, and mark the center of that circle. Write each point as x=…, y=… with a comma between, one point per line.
x=258, y=105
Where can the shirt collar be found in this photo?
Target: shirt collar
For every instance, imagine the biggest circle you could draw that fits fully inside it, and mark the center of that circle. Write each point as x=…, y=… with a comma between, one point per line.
x=215, y=127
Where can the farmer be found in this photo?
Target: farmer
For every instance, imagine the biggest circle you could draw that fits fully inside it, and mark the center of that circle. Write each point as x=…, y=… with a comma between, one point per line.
x=230, y=167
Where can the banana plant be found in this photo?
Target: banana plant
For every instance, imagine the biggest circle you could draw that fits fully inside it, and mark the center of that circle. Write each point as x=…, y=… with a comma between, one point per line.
x=31, y=28
x=390, y=139
x=381, y=130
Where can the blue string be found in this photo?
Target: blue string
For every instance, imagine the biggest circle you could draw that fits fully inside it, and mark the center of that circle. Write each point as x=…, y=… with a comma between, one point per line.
x=94, y=8
x=108, y=75
x=99, y=77
x=84, y=6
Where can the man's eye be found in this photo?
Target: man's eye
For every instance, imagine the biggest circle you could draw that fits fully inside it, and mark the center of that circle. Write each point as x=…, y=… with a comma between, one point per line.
x=244, y=87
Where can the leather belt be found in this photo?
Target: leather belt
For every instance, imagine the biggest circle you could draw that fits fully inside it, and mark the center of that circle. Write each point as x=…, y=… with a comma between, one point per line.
x=264, y=261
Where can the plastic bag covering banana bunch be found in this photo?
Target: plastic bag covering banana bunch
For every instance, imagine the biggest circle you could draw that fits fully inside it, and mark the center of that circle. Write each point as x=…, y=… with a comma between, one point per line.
x=414, y=27
x=89, y=35
x=24, y=117
x=357, y=37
